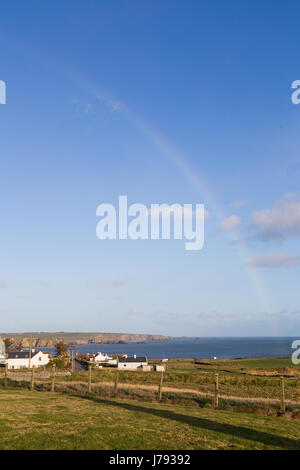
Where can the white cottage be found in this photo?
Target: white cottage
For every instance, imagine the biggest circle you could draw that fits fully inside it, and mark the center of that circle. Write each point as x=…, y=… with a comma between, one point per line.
x=2, y=350
x=103, y=358
x=132, y=363
x=20, y=359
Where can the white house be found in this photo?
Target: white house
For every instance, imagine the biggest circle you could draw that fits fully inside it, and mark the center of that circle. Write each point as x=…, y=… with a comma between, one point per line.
x=103, y=358
x=20, y=359
x=132, y=363
x=2, y=350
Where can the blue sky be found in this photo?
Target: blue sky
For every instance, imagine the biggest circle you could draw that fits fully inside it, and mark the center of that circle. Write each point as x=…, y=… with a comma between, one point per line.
x=94, y=92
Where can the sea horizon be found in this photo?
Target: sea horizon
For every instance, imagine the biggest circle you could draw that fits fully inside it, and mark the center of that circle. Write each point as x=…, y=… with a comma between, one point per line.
x=203, y=348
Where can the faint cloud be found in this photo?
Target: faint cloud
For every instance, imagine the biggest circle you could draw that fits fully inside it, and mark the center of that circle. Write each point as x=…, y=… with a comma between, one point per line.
x=274, y=260
x=135, y=311
x=231, y=223
x=113, y=106
x=237, y=204
x=82, y=108
x=114, y=282
x=3, y=285
x=38, y=283
x=293, y=167
x=287, y=312
x=217, y=315
x=279, y=223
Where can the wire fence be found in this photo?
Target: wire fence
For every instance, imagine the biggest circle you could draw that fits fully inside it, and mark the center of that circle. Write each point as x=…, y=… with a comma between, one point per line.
x=216, y=390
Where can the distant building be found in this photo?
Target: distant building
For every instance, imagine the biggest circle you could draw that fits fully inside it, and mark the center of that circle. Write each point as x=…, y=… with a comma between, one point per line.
x=103, y=358
x=159, y=368
x=2, y=350
x=132, y=363
x=20, y=359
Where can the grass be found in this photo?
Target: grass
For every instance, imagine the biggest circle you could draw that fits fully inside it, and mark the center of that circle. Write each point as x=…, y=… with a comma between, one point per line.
x=260, y=366
x=41, y=420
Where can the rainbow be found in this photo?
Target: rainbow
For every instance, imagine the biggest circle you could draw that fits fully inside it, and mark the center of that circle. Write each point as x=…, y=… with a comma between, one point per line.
x=174, y=156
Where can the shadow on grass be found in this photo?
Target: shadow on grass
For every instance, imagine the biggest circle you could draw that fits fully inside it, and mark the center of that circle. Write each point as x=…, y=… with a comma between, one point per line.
x=204, y=423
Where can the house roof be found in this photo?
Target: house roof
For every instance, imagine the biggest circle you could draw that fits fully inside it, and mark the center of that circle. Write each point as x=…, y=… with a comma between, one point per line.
x=21, y=354
x=133, y=359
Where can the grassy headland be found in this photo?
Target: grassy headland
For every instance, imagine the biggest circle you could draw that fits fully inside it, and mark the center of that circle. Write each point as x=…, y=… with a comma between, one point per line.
x=48, y=340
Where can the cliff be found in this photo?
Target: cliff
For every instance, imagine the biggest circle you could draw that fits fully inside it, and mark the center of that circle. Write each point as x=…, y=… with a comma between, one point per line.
x=45, y=341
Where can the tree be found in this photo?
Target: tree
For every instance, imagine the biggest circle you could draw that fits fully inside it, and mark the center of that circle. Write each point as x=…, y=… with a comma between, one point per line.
x=19, y=345
x=8, y=343
x=62, y=357
x=83, y=357
x=59, y=363
x=61, y=349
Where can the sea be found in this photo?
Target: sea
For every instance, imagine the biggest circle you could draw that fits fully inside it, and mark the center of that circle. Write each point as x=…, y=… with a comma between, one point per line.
x=202, y=348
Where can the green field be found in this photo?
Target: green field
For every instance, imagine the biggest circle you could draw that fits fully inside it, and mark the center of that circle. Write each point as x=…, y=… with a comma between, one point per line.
x=41, y=420
x=248, y=378
x=252, y=381
x=259, y=366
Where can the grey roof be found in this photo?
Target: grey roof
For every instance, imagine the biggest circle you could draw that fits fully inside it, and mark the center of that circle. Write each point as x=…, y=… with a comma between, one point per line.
x=20, y=354
x=133, y=359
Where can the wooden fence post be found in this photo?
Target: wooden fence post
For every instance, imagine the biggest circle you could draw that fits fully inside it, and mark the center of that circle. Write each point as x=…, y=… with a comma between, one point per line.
x=32, y=379
x=5, y=374
x=90, y=379
x=160, y=385
x=282, y=395
x=216, y=398
x=116, y=383
x=53, y=379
